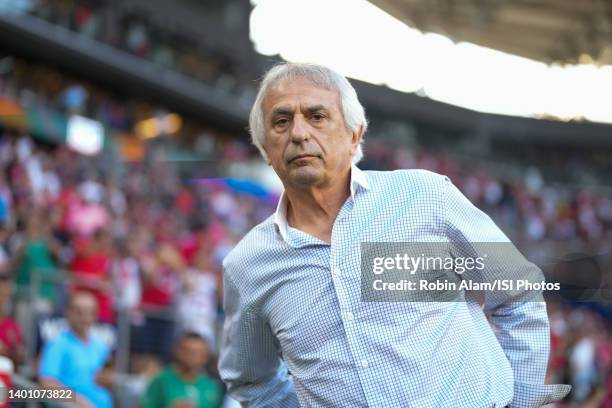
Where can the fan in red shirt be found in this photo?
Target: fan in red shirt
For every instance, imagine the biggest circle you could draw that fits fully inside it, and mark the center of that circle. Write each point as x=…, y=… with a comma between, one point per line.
x=161, y=274
x=91, y=269
x=11, y=340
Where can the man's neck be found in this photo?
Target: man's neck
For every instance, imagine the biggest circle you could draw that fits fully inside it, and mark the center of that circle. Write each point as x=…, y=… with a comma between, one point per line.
x=186, y=374
x=83, y=336
x=314, y=210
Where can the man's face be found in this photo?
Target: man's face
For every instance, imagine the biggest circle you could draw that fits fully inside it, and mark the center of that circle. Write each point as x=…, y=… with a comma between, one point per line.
x=82, y=313
x=307, y=141
x=192, y=353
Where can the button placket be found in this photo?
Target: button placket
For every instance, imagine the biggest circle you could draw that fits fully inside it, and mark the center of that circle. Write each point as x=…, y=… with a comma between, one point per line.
x=338, y=250
x=335, y=255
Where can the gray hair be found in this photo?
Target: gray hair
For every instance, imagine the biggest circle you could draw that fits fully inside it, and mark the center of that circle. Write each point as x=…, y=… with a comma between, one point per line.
x=321, y=76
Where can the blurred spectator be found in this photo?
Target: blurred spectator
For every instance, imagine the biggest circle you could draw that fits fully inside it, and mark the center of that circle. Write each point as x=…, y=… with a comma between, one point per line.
x=91, y=269
x=161, y=277
x=36, y=256
x=86, y=19
x=126, y=278
x=197, y=308
x=115, y=198
x=87, y=215
x=582, y=368
x=11, y=341
x=136, y=39
x=78, y=360
x=162, y=272
x=184, y=384
x=74, y=99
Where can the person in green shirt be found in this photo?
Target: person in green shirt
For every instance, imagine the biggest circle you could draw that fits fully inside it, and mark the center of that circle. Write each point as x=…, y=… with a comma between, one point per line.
x=37, y=255
x=184, y=384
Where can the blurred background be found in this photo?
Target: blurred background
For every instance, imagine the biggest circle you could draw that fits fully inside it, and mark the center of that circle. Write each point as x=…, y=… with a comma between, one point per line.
x=126, y=170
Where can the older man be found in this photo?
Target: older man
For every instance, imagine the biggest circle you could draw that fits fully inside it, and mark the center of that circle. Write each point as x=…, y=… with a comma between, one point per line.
x=298, y=331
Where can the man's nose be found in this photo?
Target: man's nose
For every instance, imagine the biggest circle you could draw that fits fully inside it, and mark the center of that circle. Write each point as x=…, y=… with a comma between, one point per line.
x=299, y=130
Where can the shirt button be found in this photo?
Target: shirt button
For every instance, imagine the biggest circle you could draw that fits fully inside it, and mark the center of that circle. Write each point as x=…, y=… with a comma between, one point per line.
x=364, y=363
x=336, y=271
x=348, y=316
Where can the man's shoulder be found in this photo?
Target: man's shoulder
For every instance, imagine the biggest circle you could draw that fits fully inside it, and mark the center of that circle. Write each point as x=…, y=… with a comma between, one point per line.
x=67, y=338
x=414, y=179
x=64, y=337
x=260, y=237
x=166, y=375
x=100, y=345
x=59, y=344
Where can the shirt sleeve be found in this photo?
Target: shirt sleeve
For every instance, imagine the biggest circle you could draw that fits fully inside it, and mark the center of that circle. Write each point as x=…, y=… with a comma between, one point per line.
x=249, y=361
x=518, y=317
x=51, y=360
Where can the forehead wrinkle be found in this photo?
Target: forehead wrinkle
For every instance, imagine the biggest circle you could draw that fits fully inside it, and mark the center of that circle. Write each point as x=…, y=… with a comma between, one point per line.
x=282, y=84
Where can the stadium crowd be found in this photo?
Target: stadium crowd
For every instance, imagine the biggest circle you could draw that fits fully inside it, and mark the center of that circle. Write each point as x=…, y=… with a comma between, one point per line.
x=146, y=36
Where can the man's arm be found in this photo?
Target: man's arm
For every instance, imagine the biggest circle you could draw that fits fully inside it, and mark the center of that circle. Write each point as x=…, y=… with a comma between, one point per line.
x=249, y=362
x=50, y=372
x=79, y=400
x=519, y=317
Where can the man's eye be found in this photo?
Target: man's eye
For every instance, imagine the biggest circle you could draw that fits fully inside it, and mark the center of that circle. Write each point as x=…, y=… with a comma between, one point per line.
x=281, y=122
x=317, y=117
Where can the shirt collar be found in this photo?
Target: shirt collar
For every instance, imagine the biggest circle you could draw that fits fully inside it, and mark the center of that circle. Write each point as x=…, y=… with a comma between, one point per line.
x=75, y=337
x=358, y=178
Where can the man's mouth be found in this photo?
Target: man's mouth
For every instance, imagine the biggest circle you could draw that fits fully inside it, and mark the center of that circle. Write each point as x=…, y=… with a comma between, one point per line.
x=303, y=156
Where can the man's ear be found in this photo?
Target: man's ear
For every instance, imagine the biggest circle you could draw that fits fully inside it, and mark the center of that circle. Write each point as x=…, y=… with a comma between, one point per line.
x=356, y=137
x=267, y=156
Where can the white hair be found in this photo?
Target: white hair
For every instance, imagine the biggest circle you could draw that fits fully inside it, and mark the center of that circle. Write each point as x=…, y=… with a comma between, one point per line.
x=321, y=76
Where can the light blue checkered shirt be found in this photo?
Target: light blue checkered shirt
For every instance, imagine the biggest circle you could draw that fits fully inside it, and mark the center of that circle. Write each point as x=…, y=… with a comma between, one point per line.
x=297, y=332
